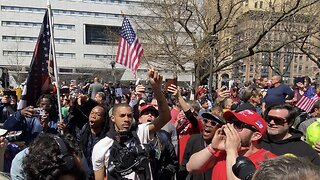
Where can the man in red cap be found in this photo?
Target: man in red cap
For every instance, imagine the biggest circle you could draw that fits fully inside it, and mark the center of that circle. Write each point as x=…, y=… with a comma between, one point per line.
x=239, y=136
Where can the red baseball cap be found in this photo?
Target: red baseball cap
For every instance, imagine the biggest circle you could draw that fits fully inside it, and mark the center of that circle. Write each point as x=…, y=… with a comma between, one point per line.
x=149, y=107
x=249, y=117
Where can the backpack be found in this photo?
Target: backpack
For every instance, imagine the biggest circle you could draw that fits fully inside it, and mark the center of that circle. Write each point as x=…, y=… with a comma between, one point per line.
x=127, y=155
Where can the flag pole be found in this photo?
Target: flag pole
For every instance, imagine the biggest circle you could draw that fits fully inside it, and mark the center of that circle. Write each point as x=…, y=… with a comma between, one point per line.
x=55, y=69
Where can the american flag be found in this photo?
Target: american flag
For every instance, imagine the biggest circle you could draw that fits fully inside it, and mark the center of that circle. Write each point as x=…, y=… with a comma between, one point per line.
x=308, y=99
x=41, y=66
x=129, y=48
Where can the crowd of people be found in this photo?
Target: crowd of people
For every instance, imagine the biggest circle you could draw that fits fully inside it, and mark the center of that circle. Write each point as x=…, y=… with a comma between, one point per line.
x=150, y=131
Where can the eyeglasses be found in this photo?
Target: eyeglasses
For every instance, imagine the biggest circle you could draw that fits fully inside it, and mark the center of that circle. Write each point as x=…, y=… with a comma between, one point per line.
x=276, y=120
x=212, y=123
x=239, y=126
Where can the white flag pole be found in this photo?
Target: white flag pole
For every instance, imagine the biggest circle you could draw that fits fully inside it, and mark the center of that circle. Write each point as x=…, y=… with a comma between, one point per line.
x=55, y=69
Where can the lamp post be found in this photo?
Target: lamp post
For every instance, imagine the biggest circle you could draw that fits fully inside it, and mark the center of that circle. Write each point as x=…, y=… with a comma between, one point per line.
x=213, y=42
x=113, y=64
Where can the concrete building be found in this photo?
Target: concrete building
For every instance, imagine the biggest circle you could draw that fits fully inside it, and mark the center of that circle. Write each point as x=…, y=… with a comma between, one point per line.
x=86, y=36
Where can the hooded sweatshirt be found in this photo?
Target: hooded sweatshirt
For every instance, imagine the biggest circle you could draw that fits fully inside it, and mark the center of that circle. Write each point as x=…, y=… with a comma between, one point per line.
x=291, y=146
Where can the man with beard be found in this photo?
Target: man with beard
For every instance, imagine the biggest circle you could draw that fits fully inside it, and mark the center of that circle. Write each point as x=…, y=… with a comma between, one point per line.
x=240, y=136
x=196, y=143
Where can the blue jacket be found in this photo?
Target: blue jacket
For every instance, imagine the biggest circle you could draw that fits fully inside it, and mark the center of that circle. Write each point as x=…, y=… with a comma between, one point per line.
x=30, y=127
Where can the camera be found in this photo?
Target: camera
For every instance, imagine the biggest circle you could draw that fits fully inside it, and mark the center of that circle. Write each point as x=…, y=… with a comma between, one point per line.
x=39, y=111
x=130, y=159
x=243, y=168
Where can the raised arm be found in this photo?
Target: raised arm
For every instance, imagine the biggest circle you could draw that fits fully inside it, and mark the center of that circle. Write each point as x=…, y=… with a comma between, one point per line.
x=175, y=90
x=164, y=117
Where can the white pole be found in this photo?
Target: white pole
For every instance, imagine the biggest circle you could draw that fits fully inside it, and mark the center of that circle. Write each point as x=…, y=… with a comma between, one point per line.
x=55, y=69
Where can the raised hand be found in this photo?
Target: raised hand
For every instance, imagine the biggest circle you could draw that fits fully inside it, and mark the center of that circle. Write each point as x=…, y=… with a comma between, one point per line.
x=28, y=111
x=140, y=90
x=218, y=140
x=233, y=140
x=155, y=78
x=175, y=90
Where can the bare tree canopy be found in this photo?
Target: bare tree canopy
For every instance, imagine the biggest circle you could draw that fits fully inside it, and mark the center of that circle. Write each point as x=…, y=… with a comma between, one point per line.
x=178, y=33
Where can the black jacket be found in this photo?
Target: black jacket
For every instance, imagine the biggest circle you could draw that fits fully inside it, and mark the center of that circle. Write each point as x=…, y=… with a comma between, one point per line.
x=195, y=144
x=293, y=145
x=165, y=166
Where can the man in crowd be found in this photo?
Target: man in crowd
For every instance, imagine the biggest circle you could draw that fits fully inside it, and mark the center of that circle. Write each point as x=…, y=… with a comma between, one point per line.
x=240, y=136
x=314, y=114
x=164, y=162
x=281, y=138
x=251, y=100
x=94, y=88
x=127, y=135
x=92, y=132
x=278, y=93
x=32, y=122
x=197, y=142
x=287, y=167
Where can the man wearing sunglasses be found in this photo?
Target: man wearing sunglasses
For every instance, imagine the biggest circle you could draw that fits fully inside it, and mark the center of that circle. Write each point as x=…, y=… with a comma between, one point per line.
x=281, y=138
x=239, y=136
x=197, y=142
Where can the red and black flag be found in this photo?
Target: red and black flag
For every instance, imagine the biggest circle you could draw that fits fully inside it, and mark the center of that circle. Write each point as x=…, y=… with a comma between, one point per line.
x=39, y=81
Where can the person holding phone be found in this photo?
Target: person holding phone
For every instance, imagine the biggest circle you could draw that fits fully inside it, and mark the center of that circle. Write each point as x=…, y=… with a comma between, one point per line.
x=31, y=121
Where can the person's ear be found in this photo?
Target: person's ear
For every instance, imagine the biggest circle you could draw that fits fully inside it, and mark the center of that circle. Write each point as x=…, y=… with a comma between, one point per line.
x=256, y=136
x=112, y=118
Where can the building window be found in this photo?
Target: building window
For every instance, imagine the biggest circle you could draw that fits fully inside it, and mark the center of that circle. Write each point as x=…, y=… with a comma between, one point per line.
x=256, y=5
x=261, y=4
x=63, y=70
x=100, y=35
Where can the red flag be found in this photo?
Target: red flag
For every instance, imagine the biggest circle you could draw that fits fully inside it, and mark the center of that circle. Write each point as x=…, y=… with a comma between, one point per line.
x=129, y=48
x=38, y=81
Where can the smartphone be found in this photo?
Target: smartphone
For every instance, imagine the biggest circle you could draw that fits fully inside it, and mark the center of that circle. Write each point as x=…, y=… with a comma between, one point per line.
x=138, y=82
x=171, y=81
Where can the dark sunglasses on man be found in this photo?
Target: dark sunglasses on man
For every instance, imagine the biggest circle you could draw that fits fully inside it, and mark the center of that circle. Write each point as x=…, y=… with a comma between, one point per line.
x=276, y=120
x=239, y=126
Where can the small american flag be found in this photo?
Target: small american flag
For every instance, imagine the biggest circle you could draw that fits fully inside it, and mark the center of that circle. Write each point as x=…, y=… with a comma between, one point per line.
x=308, y=99
x=129, y=48
x=38, y=80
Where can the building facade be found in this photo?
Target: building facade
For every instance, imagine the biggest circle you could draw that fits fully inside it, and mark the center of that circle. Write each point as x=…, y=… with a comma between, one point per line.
x=86, y=34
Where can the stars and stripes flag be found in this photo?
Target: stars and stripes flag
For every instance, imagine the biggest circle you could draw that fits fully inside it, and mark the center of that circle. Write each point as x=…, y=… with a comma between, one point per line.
x=129, y=48
x=308, y=99
x=41, y=67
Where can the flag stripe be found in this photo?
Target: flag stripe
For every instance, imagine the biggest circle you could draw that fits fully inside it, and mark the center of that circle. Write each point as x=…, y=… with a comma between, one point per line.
x=308, y=99
x=129, y=48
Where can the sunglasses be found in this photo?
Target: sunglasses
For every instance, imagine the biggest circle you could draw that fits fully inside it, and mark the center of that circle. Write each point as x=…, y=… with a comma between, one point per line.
x=276, y=120
x=239, y=126
x=212, y=123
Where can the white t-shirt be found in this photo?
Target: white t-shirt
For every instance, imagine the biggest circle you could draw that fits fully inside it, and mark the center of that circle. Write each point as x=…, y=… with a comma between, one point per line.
x=101, y=151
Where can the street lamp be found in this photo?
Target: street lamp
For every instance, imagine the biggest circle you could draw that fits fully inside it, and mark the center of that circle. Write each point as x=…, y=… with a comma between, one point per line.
x=113, y=64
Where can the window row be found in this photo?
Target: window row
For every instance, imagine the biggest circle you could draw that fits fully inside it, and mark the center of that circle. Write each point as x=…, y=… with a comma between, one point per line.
x=99, y=56
x=62, y=12
x=34, y=39
x=37, y=25
x=30, y=53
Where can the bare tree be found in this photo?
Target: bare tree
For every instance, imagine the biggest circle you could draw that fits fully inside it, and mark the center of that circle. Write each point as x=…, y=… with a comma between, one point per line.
x=180, y=32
